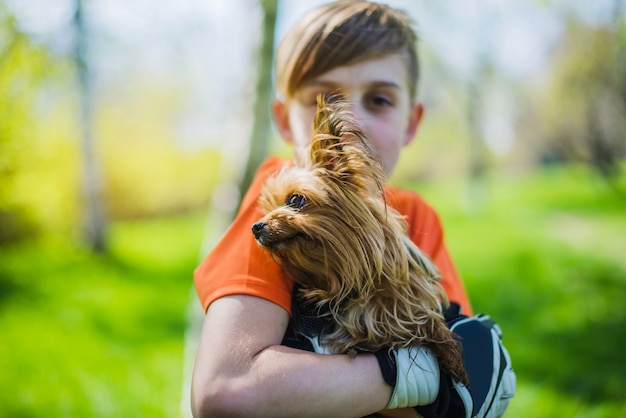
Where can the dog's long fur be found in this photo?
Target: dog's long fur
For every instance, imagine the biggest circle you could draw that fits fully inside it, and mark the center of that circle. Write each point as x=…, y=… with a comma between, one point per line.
x=329, y=227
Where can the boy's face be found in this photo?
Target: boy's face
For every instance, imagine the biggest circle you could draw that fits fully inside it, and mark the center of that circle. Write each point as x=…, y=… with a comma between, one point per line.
x=378, y=93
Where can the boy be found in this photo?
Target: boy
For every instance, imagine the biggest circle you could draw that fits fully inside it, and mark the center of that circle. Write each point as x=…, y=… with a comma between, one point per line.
x=366, y=52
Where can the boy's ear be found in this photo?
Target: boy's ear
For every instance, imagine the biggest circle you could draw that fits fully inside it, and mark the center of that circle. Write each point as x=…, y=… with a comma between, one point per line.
x=415, y=118
x=281, y=118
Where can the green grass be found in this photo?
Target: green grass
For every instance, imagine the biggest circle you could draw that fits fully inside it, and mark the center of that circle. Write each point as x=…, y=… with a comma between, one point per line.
x=97, y=336
x=545, y=255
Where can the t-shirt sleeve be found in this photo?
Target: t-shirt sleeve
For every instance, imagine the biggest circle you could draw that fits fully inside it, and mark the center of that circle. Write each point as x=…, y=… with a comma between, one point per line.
x=238, y=266
x=426, y=231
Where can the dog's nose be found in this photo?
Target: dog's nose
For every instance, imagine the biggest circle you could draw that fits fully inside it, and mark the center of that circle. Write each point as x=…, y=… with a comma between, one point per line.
x=257, y=228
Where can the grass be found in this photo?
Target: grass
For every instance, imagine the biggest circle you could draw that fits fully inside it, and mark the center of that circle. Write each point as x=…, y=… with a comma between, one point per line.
x=102, y=336
x=544, y=255
x=97, y=336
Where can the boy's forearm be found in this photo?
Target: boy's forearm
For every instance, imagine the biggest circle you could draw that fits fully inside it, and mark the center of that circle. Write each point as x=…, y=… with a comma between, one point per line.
x=285, y=382
x=320, y=385
x=238, y=373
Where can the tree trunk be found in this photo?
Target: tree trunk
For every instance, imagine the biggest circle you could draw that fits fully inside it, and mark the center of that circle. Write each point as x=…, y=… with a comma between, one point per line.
x=219, y=219
x=261, y=130
x=94, y=217
x=477, y=196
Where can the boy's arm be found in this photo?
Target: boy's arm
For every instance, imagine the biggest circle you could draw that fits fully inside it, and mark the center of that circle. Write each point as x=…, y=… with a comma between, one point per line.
x=241, y=370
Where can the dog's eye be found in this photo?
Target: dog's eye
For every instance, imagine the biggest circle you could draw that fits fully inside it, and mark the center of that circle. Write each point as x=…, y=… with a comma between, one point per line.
x=296, y=201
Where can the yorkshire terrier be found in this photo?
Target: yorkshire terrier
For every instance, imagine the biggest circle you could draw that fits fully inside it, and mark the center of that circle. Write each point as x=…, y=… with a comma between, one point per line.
x=327, y=224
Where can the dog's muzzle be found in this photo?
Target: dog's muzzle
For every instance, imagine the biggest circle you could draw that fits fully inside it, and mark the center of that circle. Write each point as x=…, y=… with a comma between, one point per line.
x=260, y=233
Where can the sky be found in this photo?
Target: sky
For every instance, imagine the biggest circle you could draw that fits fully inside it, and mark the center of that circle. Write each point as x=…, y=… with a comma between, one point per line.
x=208, y=46
x=457, y=29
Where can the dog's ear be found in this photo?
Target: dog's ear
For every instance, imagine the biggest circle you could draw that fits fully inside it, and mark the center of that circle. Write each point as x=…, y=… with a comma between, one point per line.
x=333, y=127
x=339, y=146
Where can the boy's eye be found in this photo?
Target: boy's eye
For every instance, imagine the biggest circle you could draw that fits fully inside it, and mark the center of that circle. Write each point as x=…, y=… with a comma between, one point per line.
x=296, y=201
x=379, y=101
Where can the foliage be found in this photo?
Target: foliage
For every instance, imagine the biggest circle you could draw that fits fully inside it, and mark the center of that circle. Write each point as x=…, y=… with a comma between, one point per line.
x=147, y=171
x=100, y=336
x=544, y=256
x=581, y=114
x=573, y=111
x=22, y=69
x=87, y=335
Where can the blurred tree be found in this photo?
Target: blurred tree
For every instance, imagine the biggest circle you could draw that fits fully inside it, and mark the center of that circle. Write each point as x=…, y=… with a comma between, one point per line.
x=95, y=221
x=589, y=94
x=477, y=150
x=261, y=128
x=220, y=216
x=21, y=70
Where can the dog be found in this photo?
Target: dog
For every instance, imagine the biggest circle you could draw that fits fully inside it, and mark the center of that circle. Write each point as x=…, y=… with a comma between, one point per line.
x=327, y=224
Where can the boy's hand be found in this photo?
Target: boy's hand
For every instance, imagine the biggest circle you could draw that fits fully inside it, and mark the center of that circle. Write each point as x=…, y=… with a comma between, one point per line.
x=492, y=379
x=413, y=373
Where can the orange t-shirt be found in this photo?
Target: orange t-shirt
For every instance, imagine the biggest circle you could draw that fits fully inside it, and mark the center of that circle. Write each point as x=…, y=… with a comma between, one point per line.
x=238, y=265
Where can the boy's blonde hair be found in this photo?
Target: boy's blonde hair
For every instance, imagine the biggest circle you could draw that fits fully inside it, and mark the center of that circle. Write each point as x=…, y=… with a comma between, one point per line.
x=342, y=33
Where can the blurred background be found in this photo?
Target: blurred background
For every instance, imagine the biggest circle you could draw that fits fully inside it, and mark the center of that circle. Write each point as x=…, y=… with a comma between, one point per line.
x=129, y=127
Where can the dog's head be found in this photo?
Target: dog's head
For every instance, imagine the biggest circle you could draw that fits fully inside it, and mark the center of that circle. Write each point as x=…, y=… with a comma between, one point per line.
x=327, y=211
